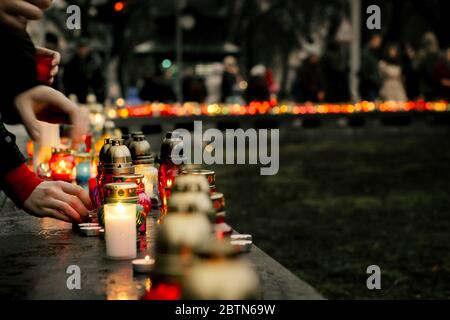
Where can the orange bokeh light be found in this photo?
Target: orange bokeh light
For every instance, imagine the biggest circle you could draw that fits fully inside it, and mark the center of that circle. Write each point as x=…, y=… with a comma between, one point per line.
x=118, y=6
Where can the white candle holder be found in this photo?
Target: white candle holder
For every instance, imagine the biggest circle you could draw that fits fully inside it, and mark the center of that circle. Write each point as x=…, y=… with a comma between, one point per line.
x=120, y=230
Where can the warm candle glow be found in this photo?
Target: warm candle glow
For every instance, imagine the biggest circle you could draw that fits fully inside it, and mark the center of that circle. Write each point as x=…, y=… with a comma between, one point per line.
x=147, y=259
x=148, y=284
x=120, y=230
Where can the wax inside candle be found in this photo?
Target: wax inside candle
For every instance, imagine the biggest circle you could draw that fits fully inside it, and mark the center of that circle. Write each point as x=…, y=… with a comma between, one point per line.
x=120, y=230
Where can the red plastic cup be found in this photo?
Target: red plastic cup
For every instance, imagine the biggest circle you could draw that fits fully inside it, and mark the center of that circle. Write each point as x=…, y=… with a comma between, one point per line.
x=43, y=67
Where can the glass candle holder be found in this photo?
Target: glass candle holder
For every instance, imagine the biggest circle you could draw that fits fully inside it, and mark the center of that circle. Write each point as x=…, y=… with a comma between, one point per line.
x=144, y=202
x=120, y=230
x=61, y=165
x=209, y=174
x=121, y=192
x=166, y=177
x=83, y=168
x=43, y=67
x=150, y=180
x=116, y=161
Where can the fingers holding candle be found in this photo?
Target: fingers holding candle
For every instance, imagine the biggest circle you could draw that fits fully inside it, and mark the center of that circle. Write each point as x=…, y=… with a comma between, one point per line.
x=46, y=56
x=41, y=4
x=74, y=207
x=50, y=200
x=24, y=9
x=78, y=192
x=15, y=14
x=52, y=213
x=66, y=209
x=46, y=104
x=79, y=119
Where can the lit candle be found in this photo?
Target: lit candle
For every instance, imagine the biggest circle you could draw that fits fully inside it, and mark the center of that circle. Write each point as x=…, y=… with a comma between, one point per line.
x=120, y=230
x=61, y=165
x=150, y=178
x=83, y=168
x=143, y=265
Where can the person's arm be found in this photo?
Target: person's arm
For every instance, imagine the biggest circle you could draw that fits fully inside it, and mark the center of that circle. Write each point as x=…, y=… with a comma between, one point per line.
x=14, y=14
x=17, y=63
x=56, y=199
x=24, y=100
x=16, y=179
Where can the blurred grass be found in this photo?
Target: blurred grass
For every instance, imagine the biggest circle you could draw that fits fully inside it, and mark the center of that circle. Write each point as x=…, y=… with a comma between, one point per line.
x=343, y=202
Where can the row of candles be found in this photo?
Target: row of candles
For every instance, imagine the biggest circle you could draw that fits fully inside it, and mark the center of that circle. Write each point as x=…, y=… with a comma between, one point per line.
x=118, y=185
x=193, y=240
x=272, y=107
x=194, y=247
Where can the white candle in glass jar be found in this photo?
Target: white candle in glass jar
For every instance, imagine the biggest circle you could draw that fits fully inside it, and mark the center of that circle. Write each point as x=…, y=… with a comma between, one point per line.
x=150, y=177
x=120, y=230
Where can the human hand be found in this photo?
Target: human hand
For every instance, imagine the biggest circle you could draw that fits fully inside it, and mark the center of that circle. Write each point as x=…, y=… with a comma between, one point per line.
x=15, y=14
x=47, y=104
x=43, y=53
x=59, y=200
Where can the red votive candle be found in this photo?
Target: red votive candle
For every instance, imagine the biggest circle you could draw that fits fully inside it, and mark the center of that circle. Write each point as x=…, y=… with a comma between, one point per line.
x=43, y=67
x=61, y=165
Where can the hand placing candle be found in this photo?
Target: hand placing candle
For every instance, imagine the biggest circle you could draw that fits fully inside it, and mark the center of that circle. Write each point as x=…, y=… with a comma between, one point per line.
x=47, y=63
x=120, y=230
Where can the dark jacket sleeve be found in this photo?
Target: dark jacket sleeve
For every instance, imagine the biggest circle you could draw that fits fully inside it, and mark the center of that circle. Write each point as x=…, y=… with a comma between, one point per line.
x=16, y=180
x=17, y=74
x=10, y=155
x=17, y=71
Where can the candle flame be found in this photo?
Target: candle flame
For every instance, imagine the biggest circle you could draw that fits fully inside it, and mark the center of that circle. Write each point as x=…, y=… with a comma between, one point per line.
x=147, y=259
x=62, y=164
x=169, y=183
x=148, y=284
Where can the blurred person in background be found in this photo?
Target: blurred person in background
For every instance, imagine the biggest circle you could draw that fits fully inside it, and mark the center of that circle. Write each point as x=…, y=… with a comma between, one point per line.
x=230, y=79
x=271, y=83
x=83, y=74
x=369, y=73
x=24, y=99
x=193, y=86
x=391, y=75
x=410, y=73
x=442, y=76
x=258, y=88
x=310, y=79
x=213, y=83
x=157, y=88
x=428, y=58
x=336, y=68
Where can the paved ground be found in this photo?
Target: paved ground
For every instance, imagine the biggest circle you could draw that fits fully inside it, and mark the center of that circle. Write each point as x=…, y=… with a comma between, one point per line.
x=35, y=254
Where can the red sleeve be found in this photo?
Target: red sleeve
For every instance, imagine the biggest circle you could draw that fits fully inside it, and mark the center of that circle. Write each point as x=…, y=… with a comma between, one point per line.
x=19, y=183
